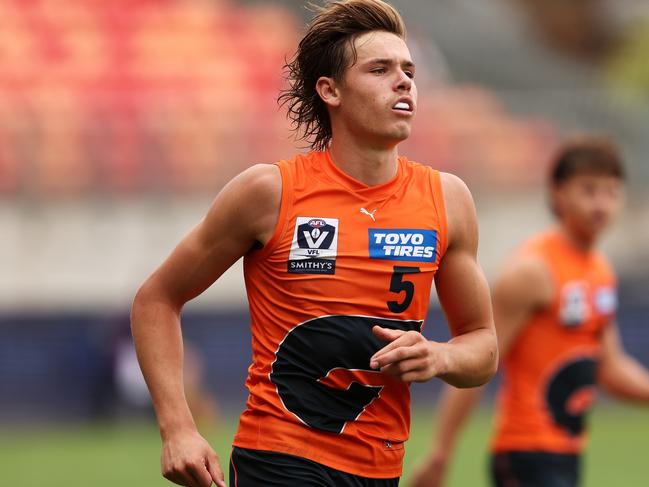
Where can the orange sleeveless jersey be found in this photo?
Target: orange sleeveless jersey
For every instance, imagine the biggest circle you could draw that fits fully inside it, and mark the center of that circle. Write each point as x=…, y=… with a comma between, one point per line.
x=343, y=258
x=549, y=375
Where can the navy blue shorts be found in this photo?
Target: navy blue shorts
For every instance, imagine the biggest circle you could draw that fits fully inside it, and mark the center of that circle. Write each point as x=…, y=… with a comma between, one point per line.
x=257, y=468
x=534, y=469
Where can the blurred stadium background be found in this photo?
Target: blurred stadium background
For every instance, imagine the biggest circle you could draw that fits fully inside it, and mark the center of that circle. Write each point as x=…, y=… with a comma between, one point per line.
x=119, y=121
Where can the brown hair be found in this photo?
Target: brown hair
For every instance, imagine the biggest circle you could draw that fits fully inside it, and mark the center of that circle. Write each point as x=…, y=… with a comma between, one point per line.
x=587, y=154
x=323, y=52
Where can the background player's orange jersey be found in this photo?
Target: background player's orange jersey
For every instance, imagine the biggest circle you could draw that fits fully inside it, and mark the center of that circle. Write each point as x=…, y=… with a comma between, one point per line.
x=343, y=258
x=549, y=374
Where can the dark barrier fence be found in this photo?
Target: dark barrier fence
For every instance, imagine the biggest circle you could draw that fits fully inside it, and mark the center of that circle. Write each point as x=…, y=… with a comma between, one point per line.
x=72, y=367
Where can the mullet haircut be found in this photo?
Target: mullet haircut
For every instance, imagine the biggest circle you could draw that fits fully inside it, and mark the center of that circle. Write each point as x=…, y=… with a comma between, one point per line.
x=587, y=155
x=322, y=52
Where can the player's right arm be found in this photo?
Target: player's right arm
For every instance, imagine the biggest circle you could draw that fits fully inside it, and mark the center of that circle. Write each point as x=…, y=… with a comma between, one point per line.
x=242, y=215
x=523, y=287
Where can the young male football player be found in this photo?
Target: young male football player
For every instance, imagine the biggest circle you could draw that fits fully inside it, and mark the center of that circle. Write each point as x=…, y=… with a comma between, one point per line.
x=554, y=305
x=340, y=246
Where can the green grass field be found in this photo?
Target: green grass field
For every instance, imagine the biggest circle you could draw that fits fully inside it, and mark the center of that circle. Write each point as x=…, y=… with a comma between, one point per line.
x=128, y=454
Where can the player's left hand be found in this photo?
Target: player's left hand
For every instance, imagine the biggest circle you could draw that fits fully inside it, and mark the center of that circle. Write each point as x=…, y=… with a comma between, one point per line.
x=409, y=356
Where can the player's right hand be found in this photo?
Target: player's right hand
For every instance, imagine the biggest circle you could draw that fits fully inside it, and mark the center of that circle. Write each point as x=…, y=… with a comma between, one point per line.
x=430, y=472
x=189, y=460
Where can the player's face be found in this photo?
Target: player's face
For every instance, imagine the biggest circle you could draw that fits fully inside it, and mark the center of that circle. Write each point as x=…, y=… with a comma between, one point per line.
x=587, y=203
x=378, y=95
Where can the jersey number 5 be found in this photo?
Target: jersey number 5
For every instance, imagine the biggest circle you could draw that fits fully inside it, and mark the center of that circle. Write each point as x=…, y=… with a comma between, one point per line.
x=399, y=285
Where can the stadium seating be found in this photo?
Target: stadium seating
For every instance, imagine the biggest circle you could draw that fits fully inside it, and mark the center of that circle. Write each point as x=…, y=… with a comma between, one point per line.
x=144, y=96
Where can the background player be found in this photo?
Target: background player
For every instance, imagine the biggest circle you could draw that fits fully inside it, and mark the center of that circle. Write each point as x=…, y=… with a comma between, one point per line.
x=341, y=246
x=554, y=306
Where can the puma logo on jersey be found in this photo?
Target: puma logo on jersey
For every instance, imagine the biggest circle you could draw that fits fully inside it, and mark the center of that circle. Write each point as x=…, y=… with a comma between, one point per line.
x=371, y=215
x=403, y=244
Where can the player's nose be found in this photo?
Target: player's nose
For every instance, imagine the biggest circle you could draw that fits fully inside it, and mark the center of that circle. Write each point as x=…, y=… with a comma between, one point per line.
x=404, y=83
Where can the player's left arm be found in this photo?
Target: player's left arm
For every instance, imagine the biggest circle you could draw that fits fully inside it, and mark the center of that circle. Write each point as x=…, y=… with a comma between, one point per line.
x=620, y=374
x=470, y=358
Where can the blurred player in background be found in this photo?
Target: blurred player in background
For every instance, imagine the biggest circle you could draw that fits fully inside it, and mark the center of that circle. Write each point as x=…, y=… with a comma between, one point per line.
x=340, y=247
x=554, y=306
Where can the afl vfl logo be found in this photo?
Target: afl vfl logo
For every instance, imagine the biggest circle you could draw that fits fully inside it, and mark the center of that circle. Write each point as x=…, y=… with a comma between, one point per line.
x=314, y=247
x=575, y=308
x=317, y=223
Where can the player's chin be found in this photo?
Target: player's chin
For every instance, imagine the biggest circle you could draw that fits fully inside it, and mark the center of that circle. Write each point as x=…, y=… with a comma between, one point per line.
x=597, y=226
x=401, y=132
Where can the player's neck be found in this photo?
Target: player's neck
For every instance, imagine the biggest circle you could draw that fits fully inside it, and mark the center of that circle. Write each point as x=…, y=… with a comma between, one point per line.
x=584, y=243
x=369, y=165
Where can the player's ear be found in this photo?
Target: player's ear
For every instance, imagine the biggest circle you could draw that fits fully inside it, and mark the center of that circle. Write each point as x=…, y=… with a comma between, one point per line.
x=328, y=90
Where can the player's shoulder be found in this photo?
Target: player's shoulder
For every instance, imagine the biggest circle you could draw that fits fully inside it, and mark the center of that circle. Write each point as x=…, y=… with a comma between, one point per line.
x=454, y=186
x=251, y=194
x=527, y=273
x=417, y=168
x=550, y=247
x=530, y=257
x=449, y=180
x=300, y=169
x=260, y=179
x=457, y=199
x=604, y=265
x=527, y=266
x=249, y=202
x=461, y=217
x=304, y=159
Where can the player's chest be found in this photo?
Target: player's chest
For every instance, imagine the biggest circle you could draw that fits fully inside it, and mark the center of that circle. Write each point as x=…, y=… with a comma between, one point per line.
x=323, y=241
x=585, y=303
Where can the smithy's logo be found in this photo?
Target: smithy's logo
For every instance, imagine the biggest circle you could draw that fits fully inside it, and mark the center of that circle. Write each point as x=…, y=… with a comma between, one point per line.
x=314, y=247
x=403, y=244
